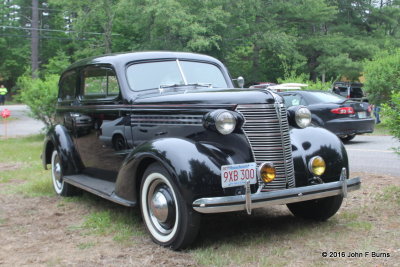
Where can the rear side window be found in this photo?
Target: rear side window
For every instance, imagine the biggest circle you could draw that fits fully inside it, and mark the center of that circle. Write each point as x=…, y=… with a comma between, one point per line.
x=99, y=83
x=343, y=91
x=356, y=92
x=67, y=86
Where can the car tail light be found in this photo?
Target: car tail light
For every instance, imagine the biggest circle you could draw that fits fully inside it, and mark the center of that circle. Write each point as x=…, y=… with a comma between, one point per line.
x=369, y=108
x=345, y=110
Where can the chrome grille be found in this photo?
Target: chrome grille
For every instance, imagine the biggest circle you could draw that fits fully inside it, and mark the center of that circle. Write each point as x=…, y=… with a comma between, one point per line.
x=267, y=130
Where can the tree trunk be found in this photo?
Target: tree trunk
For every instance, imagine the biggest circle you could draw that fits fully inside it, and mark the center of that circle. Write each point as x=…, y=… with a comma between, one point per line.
x=35, y=38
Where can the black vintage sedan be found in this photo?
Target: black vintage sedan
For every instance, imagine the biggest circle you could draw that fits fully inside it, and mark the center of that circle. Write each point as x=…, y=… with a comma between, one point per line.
x=343, y=117
x=168, y=132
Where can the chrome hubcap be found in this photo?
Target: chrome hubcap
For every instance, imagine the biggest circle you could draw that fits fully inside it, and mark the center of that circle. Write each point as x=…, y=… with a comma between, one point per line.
x=159, y=207
x=57, y=171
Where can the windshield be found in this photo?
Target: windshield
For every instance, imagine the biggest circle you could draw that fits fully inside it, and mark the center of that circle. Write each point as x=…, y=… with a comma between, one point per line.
x=153, y=75
x=326, y=97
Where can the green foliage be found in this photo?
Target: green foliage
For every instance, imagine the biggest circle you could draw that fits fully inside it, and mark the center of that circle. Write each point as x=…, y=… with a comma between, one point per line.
x=41, y=96
x=382, y=76
x=56, y=64
x=259, y=40
x=392, y=113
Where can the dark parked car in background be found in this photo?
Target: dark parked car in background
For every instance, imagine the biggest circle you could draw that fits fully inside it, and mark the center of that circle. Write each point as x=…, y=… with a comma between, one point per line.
x=343, y=117
x=168, y=132
x=349, y=90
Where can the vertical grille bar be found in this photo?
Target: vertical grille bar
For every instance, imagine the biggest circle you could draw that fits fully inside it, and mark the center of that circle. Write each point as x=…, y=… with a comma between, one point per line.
x=267, y=130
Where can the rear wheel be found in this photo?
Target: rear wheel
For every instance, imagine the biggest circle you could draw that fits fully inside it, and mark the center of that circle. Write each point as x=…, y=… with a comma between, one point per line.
x=168, y=219
x=119, y=142
x=61, y=188
x=347, y=138
x=316, y=209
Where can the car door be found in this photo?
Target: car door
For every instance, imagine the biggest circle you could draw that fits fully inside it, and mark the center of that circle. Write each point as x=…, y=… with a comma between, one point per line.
x=100, y=122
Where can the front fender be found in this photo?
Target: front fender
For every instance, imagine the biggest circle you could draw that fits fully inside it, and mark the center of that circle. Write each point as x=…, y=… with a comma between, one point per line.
x=194, y=166
x=58, y=138
x=316, y=141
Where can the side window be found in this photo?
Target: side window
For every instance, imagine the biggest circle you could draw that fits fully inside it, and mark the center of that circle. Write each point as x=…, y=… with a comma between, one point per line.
x=99, y=82
x=67, y=86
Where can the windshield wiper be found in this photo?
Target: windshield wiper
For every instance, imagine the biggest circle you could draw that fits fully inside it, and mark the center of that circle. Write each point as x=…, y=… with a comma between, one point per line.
x=208, y=85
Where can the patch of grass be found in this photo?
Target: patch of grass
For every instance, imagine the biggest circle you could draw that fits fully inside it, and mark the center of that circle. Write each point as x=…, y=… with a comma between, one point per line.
x=24, y=164
x=86, y=245
x=40, y=186
x=122, y=225
x=348, y=216
x=360, y=225
x=22, y=157
x=391, y=194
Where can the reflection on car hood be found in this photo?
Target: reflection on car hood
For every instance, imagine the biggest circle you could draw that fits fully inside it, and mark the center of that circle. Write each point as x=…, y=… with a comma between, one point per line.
x=207, y=96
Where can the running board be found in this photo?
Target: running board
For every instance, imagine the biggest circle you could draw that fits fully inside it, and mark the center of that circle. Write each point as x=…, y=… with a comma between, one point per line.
x=99, y=187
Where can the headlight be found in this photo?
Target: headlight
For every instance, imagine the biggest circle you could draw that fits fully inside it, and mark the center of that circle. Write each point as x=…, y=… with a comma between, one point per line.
x=303, y=117
x=317, y=166
x=225, y=122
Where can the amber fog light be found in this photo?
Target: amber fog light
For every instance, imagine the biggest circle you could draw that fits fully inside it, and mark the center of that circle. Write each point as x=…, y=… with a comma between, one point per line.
x=317, y=165
x=267, y=172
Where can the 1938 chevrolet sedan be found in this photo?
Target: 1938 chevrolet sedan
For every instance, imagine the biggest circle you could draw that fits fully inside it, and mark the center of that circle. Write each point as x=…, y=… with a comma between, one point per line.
x=169, y=132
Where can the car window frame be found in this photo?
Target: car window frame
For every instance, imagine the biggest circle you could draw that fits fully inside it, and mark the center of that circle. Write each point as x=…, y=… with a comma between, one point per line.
x=224, y=75
x=73, y=72
x=80, y=94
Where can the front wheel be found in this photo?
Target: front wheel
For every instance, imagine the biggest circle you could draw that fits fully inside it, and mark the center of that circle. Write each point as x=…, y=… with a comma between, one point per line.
x=316, y=209
x=61, y=188
x=168, y=219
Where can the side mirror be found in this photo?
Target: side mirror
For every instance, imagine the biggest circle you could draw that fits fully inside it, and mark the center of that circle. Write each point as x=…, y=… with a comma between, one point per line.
x=240, y=81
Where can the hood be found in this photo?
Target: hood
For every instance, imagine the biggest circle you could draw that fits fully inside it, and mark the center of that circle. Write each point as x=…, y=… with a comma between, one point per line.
x=207, y=97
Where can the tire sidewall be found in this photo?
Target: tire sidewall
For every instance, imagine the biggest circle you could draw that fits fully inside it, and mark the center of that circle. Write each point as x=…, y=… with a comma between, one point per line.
x=58, y=186
x=153, y=173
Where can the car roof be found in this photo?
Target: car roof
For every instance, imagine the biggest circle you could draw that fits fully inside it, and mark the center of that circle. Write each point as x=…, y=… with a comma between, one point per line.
x=123, y=58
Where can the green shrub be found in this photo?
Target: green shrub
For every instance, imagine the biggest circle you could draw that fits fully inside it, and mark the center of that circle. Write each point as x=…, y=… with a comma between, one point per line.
x=382, y=76
x=40, y=95
x=392, y=113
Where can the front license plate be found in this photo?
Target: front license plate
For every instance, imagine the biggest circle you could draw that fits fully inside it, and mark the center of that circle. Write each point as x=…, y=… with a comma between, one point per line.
x=238, y=174
x=362, y=115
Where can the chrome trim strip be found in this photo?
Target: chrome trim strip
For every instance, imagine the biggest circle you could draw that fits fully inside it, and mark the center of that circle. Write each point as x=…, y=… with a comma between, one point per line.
x=285, y=196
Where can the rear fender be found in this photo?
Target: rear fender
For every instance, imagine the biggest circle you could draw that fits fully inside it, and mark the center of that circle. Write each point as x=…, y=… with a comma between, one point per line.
x=58, y=138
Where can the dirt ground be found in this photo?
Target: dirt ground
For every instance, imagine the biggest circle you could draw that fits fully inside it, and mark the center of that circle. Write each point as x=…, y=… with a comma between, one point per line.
x=39, y=231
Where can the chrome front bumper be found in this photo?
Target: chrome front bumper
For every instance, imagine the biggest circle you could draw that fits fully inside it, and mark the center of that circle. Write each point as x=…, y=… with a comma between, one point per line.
x=250, y=201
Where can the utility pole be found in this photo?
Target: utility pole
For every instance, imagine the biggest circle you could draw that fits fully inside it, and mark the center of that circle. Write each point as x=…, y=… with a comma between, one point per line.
x=35, y=38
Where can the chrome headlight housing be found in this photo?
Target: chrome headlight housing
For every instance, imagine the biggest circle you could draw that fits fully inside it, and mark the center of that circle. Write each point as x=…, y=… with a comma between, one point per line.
x=223, y=121
x=299, y=116
x=303, y=117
